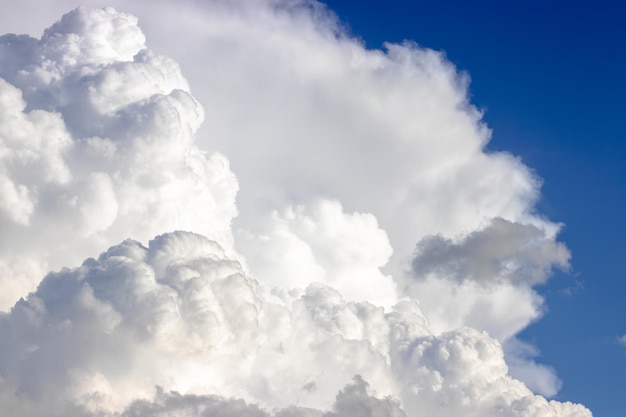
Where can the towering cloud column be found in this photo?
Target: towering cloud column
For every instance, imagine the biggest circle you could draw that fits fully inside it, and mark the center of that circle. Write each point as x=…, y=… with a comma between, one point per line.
x=380, y=261
x=97, y=145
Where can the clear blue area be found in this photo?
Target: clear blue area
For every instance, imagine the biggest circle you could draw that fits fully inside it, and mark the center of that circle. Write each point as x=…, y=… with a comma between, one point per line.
x=550, y=77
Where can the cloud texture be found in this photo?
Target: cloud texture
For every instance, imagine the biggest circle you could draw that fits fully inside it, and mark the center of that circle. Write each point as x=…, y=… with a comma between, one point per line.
x=380, y=261
x=97, y=145
x=180, y=315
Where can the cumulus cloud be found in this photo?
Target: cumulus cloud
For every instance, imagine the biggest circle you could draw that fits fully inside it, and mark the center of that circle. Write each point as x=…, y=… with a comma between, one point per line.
x=353, y=401
x=484, y=280
x=97, y=144
x=322, y=243
x=180, y=315
x=307, y=114
x=380, y=261
x=389, y=132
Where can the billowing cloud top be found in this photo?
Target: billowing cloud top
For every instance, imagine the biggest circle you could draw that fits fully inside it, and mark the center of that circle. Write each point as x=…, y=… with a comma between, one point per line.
x=180, y=315
x=380, y=263
x=97, y=144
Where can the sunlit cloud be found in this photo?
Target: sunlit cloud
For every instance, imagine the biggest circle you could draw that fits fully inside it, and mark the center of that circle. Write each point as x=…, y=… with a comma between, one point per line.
x=364, y=256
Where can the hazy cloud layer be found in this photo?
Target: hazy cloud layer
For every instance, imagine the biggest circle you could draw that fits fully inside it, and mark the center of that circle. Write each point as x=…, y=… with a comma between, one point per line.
x=380, y=261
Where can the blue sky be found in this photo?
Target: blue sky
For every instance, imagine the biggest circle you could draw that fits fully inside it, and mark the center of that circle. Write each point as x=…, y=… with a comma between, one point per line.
x=549, y=76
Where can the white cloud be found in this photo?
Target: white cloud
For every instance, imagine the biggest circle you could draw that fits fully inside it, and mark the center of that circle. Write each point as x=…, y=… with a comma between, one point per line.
x=322, y=243
x=181, y=315
x=96, y=145
x=347, y=158
x=306, y=113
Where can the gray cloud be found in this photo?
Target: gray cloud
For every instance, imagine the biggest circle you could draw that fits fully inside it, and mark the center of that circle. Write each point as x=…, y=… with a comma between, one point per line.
x=487, y=276
x=352, y=401
x=501, y=252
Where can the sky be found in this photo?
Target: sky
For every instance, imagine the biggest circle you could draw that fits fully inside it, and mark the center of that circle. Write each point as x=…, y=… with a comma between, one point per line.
x=549, y=76
x=291, y=209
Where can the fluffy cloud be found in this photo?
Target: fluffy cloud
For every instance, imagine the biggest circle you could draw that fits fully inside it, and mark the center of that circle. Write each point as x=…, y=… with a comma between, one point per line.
x=307, y=114
x=181, y=315
x=484, y=280
x=97, y=144
x=380, y=261
x=353, y=401
x=322, y=243
x=390, y=132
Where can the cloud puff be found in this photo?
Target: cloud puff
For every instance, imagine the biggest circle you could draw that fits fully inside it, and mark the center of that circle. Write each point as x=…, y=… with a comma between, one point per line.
x=484, y=280
x=180, y=315
x=483, y=274
x=501, y=252
x=97, y=144
x=322, y=243
x=353, y=401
